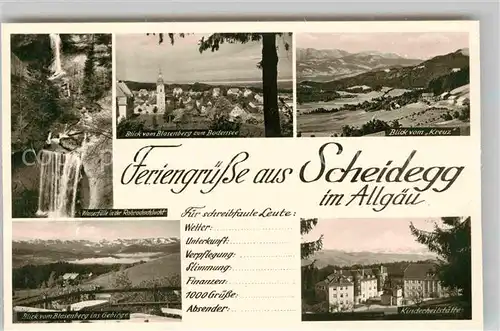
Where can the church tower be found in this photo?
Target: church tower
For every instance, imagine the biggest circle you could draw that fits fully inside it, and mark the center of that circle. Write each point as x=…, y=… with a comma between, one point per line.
x=160, y=93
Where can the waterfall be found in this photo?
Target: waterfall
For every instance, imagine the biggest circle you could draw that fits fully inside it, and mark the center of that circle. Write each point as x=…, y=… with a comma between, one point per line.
x=55, y=44
x=59, y=177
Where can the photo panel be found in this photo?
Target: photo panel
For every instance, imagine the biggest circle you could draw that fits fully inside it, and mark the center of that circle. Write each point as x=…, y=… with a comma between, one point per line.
x=96, y=271
x=192, y=85
x=386, y=269
x=383, y=84
x=61, y=124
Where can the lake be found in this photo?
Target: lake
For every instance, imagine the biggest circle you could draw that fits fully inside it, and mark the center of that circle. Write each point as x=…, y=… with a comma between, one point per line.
x=119, y=259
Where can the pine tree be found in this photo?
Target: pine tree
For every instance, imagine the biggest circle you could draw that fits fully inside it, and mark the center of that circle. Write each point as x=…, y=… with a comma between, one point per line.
x=51, y=282
x=89, y=74
x=452, y=244
x=307, y=249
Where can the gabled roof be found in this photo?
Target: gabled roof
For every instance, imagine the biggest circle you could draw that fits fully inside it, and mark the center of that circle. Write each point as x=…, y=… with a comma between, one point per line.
x=121, y=86
x=337, y=279
x=70, y=276
x=420, y=271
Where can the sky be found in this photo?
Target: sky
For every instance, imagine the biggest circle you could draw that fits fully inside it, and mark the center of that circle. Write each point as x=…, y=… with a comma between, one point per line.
x=372, y=235
x=139, y=57
x=410, y=45
x=94, y=230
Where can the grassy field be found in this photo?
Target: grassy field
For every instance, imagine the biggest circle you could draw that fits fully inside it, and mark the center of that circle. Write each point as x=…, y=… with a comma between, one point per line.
x=411, y=115
x=356, y=98
x=162, y=267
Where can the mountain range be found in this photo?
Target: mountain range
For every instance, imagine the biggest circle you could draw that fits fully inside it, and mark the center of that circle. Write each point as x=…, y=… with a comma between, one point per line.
x=46, y=251
x=409, y=76
x=330, y=64
x=342, y=258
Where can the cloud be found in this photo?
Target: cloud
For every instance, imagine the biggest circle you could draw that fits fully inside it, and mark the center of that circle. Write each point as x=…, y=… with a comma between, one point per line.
x=412, y=44
x=139, y=57
x=370, y=234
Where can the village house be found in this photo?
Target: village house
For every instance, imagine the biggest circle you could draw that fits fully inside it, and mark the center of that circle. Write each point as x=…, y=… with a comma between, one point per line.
x=259, y=98
x=144, y=108
x=338, y=290
x=177, y=92
x=444, y=95
x=463, y=101
x=452, y=99
x=392, y=297
x=233, y=91
x=252, y=106
x=124, y=101
x=186, y=100
x=69, y=279
x=203, y=110
x=367, y=283
x=247, y=93
x=238, y=113
x=216, y=92
x=418, y=281
x=427, y=96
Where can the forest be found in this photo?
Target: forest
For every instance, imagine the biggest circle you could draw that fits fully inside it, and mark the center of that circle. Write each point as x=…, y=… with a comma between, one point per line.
x=47, y=275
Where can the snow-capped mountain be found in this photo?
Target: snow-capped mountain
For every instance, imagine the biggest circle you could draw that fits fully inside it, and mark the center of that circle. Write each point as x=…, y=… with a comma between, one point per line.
x=70, y=248
x=103, y=242
x=331, y=64
x=143, y=241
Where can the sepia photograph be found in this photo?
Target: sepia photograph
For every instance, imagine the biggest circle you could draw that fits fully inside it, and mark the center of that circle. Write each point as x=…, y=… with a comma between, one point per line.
x=372, y=84
x=132, y=267
x=204, y=85
x=386, y=269
x=61, y=124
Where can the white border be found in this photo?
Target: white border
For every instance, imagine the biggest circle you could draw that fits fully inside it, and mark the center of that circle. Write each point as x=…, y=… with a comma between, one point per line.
x=296, y=27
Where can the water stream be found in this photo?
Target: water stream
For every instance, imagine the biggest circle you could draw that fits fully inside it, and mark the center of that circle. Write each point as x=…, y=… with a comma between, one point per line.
x=55, y=44
x=59, y=178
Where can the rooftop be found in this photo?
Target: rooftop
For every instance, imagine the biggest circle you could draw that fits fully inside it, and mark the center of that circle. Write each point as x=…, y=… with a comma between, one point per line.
x=70, y=276
x=420, y=271
x=123, y=90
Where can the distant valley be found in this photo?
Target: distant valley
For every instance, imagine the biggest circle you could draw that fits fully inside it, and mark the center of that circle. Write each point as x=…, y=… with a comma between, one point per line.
x=382, y=92
x=35, y=262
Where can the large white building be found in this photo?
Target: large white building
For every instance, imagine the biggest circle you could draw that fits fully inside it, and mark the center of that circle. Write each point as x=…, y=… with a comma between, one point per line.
x=160, y=94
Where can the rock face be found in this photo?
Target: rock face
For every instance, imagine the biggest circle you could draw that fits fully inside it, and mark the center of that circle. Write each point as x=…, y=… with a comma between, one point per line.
x=97, y=165
x=97, y=157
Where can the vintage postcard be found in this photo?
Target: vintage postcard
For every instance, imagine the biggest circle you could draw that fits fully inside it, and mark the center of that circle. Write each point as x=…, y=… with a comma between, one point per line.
x=242, y=174
x=373, y=84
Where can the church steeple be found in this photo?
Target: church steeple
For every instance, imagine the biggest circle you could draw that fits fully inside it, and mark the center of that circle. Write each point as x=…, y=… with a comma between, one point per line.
x=160, y=78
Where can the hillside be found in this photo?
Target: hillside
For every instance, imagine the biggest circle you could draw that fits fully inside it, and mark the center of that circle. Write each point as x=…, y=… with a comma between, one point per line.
x=167, y=266
x=409, y=77
x=332, y=64
x=342, y=258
